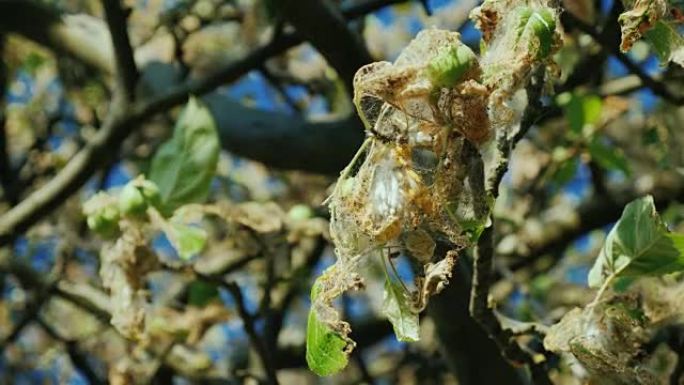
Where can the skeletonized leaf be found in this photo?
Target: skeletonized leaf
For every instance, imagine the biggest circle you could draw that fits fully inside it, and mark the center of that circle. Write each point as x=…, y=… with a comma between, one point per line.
x=638, y=245
x=397, y=308
x=657, y=22
x=184, y=166
x=435, y=279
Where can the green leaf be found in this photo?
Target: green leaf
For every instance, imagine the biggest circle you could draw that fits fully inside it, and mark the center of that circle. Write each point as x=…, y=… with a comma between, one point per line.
x=608, y=157
x=325, y=349
x=582, y=111
x=398, y=311
x=666, y=42
x=186, y=239
x=200, y=292
x=540, y=24
x=638, y=245
x=184, y=166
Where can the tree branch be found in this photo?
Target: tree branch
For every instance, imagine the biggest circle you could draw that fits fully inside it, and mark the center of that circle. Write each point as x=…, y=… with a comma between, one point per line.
x=316, y=21
x=599, y=211
x=126, y=71
x=120, y=122
x=483, y=277
x=658, y=88
x=257, y=342
x=483, y=261
x=267, y=137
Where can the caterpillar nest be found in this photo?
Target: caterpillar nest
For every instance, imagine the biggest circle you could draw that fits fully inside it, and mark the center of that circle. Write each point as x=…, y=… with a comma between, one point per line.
x=419, y=178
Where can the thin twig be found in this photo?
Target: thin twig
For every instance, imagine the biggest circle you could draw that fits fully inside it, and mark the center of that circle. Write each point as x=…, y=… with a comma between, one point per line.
x=658, y=88
x=127, y=72
x=256, y=340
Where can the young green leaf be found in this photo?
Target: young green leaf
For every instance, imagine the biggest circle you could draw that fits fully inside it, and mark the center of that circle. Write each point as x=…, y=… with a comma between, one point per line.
x=187, y=240
x=638, y=245
x=184, y=166
x=398, y=311
x=540, y=25
x=102, y=213
x=325, y=349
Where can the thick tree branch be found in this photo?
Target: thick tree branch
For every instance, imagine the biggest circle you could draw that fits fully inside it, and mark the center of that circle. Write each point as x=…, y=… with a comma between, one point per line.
x=120, y=122
x=285, y=141
x=483, y=277
x=316, y=21
x=126, y=71
x=464, y=343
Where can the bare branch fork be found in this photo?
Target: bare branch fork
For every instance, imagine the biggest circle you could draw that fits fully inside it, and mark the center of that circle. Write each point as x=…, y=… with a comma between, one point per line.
x=483, y=259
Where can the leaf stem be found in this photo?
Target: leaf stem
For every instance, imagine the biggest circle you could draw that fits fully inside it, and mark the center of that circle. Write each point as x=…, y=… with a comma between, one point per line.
x=347, y=170
x=606, y=285
x=394, y=269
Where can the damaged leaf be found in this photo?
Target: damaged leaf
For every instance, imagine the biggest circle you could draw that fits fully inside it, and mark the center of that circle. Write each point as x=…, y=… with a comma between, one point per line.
x=326, y=350
x=435, y=279
x=667, y=43
x=658, y=22
x=611, y=339
x=397, y=308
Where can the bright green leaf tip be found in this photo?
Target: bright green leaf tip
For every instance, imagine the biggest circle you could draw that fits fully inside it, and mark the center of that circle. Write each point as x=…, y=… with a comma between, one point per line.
x=541, y=23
